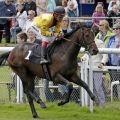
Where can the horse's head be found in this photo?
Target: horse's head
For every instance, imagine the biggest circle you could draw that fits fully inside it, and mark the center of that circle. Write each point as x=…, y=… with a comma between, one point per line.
x=86, y=40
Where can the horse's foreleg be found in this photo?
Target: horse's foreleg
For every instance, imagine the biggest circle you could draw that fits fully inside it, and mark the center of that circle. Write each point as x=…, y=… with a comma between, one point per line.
x=81, y=83
x=61, y=80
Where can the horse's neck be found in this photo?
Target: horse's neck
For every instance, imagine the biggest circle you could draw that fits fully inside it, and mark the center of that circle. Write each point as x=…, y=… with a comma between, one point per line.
x=72, y=50
x=69, y=49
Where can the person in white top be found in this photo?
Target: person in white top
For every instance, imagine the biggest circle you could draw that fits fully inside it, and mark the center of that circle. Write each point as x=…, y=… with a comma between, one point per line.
x=113, y=2
x=21, y=18
x=29, y=21
x=98, y=61
x=41, y=6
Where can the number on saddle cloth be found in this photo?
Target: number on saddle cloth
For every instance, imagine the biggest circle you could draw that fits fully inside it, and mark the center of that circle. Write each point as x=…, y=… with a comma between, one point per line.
x=34, y=54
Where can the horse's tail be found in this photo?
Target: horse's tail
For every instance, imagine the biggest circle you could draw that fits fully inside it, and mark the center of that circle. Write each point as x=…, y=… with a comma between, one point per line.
x=3, y=58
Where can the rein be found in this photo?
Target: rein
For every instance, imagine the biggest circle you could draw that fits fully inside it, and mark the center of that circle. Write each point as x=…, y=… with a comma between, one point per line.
x=71, y=41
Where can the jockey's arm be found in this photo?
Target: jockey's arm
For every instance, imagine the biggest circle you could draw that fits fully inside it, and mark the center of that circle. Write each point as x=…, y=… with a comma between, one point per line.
x=57, y=30
x=45, y=31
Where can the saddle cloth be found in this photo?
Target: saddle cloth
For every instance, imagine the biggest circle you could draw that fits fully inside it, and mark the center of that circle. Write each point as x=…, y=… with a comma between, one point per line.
x=34, y=54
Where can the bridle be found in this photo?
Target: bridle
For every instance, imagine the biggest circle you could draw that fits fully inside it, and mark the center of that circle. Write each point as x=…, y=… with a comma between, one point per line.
x=82, y=42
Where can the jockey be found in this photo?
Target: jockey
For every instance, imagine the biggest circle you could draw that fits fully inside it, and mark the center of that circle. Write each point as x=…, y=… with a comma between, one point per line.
x=46, y=21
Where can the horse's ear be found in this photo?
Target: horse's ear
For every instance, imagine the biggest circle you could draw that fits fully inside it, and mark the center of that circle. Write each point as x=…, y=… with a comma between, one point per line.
x=84, y=25
x=79, y=25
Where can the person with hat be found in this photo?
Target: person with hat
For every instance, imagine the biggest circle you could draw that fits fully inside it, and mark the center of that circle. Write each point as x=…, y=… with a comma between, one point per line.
x=114, y=59
x=46, y=21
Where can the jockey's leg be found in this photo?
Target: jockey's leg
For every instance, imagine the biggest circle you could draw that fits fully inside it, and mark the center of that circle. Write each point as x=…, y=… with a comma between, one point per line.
x=43, y=52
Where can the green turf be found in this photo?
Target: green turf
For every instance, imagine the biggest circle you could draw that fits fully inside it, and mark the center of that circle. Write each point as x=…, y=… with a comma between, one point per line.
x=69, y=111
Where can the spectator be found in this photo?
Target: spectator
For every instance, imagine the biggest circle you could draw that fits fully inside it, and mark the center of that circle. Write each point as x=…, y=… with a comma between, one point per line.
x=65, y=26
x=30, y=18
x=41, y=6
x=58, y=2
x=72, y=11
x=98, y=61
x=32, y=35
x=104, y=10
x=114, y=59
x=113, y=13
x=21, y=1
x=98, y=13
x=30, y=5
x=21, y=37
x=64, y=3
x=111, y=3
x=105, y=32
x=21, y=18
x=51, y=5
x=7, y=9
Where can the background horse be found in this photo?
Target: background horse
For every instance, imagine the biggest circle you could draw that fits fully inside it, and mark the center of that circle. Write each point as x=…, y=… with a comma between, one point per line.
x=62, y=68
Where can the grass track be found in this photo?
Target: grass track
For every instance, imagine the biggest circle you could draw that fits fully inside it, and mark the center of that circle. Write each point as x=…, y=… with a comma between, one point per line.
x=69, y=111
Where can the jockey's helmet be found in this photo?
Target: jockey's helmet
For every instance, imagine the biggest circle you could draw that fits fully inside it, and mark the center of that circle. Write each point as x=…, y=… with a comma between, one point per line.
x=59, y=13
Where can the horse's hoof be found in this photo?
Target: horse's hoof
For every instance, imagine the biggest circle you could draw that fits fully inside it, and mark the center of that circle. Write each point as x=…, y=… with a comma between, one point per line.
x=35, y=116
x=42, y=105
x=61, y=103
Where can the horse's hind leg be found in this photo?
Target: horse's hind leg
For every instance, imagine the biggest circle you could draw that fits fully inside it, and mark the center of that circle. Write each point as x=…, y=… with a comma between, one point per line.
x=28, y=86
x=26, y=89
x=61, y=80
x=81, y=83
x=31, y=92
x=26, y=79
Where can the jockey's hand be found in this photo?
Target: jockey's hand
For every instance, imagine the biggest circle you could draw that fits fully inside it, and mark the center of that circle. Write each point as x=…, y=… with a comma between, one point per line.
x=58, y=35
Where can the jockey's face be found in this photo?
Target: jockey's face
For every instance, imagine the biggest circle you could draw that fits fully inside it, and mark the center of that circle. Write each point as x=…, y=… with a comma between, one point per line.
x=59, y=17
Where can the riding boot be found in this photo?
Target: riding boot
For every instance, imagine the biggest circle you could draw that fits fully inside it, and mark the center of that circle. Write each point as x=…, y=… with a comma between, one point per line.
x=43, y=55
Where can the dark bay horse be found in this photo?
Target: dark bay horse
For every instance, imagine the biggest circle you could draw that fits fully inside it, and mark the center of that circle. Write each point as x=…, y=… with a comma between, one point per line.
x=62, y=68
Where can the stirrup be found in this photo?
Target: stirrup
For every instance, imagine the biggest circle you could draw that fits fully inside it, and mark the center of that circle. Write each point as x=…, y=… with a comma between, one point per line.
x=43, y=61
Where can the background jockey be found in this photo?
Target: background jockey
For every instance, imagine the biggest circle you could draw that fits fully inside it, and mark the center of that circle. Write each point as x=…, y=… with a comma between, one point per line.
x=46, y=21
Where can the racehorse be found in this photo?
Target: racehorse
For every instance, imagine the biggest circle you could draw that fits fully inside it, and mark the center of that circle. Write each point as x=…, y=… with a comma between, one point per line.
x=63, y=65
